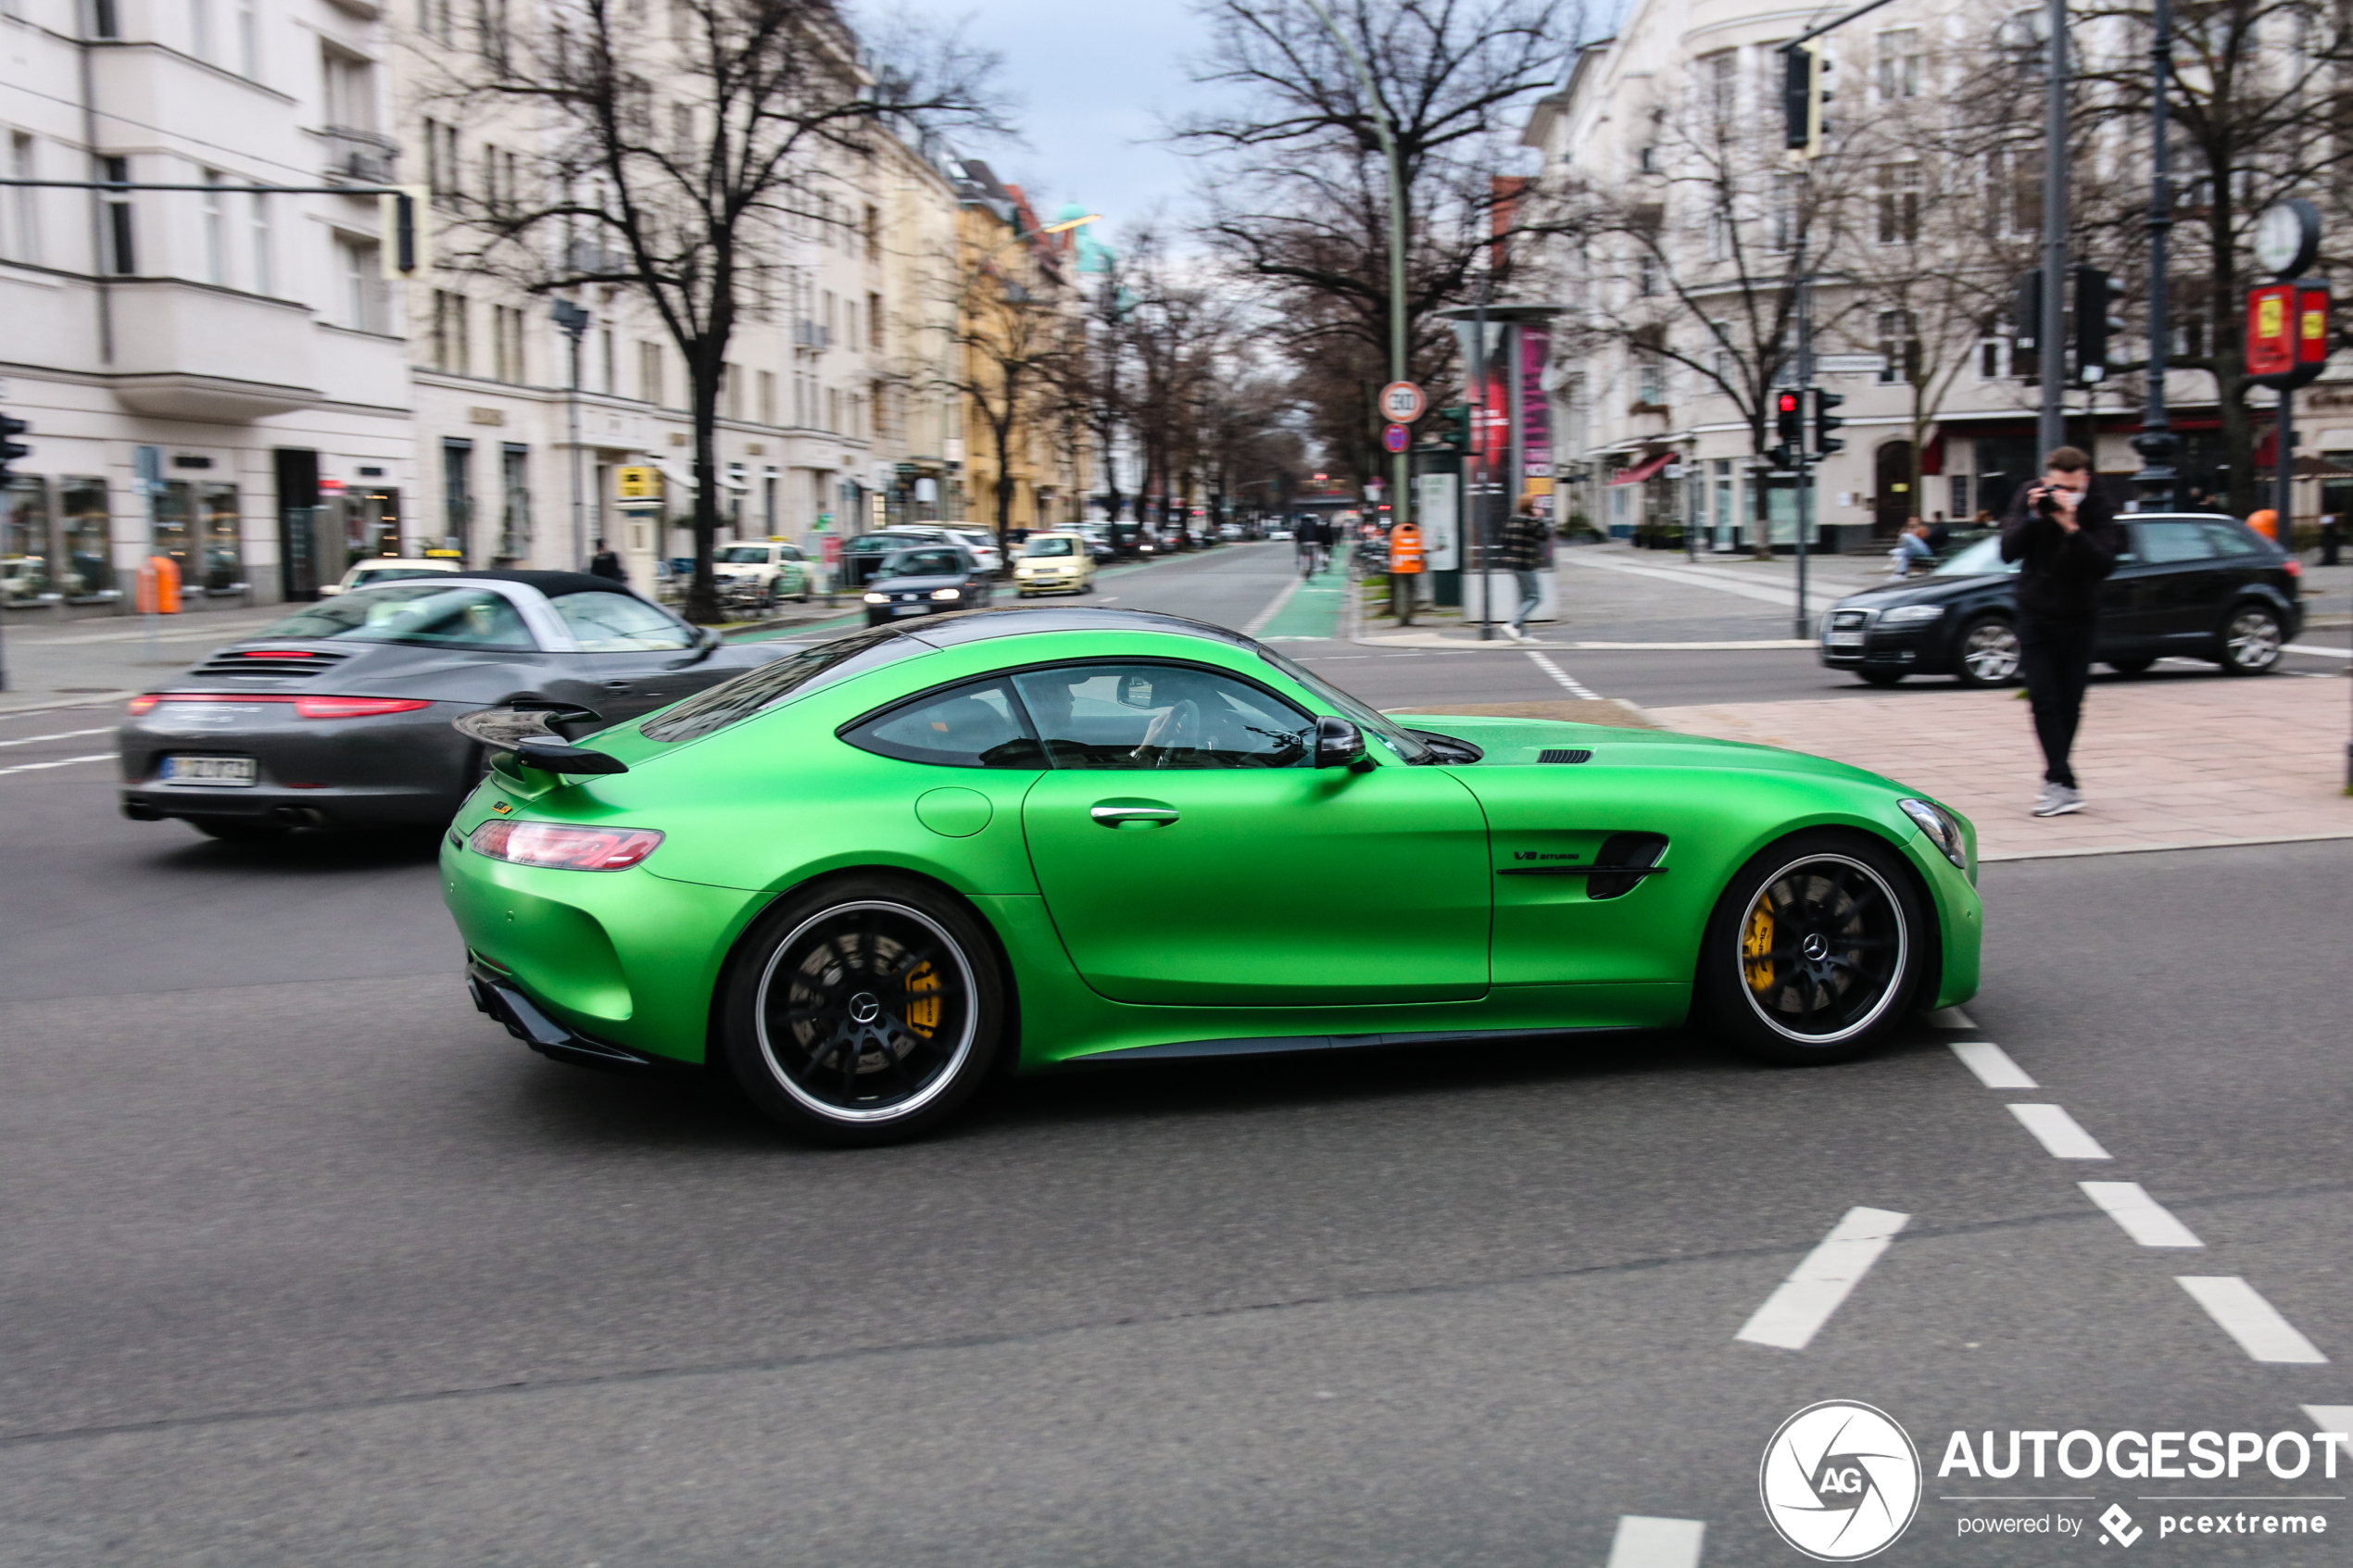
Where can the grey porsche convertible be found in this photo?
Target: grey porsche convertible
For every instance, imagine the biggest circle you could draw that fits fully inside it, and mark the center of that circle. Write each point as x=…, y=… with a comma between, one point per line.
x=340, y=714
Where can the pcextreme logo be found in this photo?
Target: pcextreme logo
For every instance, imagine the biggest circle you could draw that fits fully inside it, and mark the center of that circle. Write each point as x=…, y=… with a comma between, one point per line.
x=1840, y=1481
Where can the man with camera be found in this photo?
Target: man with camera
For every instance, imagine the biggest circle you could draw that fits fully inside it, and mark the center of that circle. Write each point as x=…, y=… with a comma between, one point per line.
x=2065, y=538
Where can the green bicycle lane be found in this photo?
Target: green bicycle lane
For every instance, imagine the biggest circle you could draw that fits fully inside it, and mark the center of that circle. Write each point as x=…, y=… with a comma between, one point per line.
x=1312, y=612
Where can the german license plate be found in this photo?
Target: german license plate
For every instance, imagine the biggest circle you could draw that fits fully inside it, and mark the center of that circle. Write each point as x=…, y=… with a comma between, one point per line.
x=1843, y=640
x=212, y=772
x=909, y=609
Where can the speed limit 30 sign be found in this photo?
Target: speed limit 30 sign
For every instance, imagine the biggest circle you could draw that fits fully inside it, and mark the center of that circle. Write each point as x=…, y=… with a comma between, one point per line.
x=1401, y=402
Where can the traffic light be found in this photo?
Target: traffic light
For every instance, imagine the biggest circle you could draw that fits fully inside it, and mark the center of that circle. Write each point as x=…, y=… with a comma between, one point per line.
x=1825, y=421
x=2026, y=326
x=1453, y=427
x=1805, y=89
x=1789, y=419
x=10, y=447
x=2096, y=297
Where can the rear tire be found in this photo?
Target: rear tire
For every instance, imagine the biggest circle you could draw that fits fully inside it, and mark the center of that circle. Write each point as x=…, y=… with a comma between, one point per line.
x=2252, y=641
x=1814, y=952
x=863, y=1012
x=239, y=829
x=1986, y=653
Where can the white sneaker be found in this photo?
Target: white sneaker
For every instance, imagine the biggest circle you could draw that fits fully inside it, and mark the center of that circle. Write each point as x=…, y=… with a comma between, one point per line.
x=2057, y=800
x=1513, y=633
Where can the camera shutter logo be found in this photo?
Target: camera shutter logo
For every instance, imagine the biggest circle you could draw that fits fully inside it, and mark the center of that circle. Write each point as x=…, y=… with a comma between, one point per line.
x=1840, y=1481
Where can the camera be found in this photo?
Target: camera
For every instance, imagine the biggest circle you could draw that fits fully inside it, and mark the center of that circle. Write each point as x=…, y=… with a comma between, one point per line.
x=2047, y=503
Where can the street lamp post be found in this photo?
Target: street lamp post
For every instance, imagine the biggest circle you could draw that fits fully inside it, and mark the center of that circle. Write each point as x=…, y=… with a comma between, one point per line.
x=2051, y=332
x=2157, y=443
x=1400, y=465
x=573, y=321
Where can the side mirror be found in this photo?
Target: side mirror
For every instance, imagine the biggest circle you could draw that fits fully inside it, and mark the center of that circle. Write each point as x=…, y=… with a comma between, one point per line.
x=1339, y=744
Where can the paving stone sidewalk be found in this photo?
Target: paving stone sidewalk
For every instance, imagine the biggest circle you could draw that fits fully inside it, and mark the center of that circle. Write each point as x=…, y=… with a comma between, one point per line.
x=2163, y=762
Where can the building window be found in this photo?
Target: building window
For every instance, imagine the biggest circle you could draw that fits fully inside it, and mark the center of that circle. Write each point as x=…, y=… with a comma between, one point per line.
x=2014, y=189
x=650, y=373
x=23, y=236
x=833, y=408
x=514, y=517
x=200, y=29
x=874, y=233
x=1993, y=359
x=258, y=232
x=216, y=230
x=123, y=259
x=1646, y=275
x=451, y=352
x=768, y=397
x=1899, y=346
x=249, y=39
x=605, y=359
x=1899, y=64
x=1650, y=381
x=1647, y=160
x=1781, y=226
x=731, y=387
x=363, y=283
x=875, y=320
x=1720, y=84
x=457, y=492
x=505, y=343
x=441, y=162
x=1898, y=194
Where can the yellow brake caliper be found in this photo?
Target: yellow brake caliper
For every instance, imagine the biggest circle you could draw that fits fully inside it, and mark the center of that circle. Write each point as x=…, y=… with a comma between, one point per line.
x=1756, y=946
x=923, y=1000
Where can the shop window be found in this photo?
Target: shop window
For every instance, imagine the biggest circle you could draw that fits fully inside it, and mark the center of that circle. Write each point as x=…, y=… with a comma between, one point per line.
x=86, y=533
x=174, y=524
x=224, y=556
x=514, y=526
x=24, y=541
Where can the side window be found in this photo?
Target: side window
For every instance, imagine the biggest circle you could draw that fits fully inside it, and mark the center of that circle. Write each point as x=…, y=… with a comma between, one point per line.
x=2230, y=539
x=970, y=726
x=1133, y=716
x=602, y=623
x=2170, y=543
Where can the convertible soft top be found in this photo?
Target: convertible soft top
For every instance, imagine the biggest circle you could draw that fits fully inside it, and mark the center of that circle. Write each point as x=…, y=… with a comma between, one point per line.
x=554, y=583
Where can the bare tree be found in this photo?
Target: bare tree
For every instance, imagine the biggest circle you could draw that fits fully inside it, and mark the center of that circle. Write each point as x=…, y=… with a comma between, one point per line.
x=1013, y=341
x=677, y=166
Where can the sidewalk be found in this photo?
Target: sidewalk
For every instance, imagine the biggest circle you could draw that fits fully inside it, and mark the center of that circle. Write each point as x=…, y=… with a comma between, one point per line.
x=2164, y=763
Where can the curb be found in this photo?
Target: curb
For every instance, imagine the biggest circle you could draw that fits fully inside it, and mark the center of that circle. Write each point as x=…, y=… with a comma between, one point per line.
x=87, y=699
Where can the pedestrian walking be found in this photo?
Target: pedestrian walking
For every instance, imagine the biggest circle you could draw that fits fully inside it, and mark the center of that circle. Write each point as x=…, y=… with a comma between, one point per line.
x=604, y=563
x=2065, y=537
x=1519, y=550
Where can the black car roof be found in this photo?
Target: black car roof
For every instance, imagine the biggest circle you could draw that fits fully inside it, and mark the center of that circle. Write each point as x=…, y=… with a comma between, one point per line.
x=554, y=583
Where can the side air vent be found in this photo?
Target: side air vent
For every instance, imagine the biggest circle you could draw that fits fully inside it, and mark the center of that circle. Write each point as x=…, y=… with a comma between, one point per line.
x=1624, y=860
x=1574, y=754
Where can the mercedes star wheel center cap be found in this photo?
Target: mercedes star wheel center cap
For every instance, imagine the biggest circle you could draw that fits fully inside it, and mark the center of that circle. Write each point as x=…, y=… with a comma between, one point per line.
x=864, y=1009
x=1816, y=948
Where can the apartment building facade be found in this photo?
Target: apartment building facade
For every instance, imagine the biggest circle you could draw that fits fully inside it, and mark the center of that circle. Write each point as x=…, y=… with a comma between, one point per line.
x=213, y=375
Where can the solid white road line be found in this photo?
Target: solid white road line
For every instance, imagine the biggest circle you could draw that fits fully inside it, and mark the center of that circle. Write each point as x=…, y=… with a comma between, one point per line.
x=2334, y=1421
x=1992, y=1065
x=1951, y=1018
x=2247, y=1318
x=1573, y=686
x=61, y=734
x=60, y=763
x=2324, y=652
x=2059, y=1133
x=1796, y=1312
x=1643, y=1542
x=2143, y=1218
x=1704, y=577
x=1250, y=627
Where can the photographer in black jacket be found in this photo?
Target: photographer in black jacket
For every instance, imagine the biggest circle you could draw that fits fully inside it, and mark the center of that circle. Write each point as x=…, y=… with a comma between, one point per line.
x=2065, y=538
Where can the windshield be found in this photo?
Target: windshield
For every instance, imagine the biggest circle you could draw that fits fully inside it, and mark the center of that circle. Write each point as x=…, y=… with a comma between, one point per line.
x=1049, y=547
x=939, y=562
x=733, y=702
x=602, y=623
x=1976, y=561
x=1363, y=715
x=743, y=554
x=410, y=612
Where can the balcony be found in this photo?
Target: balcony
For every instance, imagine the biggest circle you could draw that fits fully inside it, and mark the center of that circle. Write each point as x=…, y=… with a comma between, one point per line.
x=813, y=334
x=190, y=351
x=363, y=158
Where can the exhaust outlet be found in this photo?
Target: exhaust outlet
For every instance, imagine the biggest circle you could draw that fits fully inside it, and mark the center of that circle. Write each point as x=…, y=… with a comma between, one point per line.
x=300, y=816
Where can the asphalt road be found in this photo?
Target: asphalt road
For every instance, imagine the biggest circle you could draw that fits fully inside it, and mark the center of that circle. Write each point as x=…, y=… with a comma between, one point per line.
x=308, y=1262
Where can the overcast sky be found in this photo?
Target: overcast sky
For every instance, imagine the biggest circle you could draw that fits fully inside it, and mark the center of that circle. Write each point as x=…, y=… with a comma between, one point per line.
x=1095, y=80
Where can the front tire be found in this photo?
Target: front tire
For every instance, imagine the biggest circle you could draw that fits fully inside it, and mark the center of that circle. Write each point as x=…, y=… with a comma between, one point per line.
x=2252, y=642
x=1814, y=952
x=1987, y=653
x=863, y=1012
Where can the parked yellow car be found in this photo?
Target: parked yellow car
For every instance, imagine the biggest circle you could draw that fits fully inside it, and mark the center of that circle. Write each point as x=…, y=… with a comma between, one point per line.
x=1055, y=563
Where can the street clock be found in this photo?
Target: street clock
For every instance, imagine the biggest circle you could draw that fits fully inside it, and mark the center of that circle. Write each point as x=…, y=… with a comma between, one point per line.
x=2287, y=237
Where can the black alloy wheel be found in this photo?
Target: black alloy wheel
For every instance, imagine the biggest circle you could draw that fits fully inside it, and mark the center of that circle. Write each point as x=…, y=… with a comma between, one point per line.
x=1815, y=950
x=1986, y=653
x=2252, y=641
x=863, y=1012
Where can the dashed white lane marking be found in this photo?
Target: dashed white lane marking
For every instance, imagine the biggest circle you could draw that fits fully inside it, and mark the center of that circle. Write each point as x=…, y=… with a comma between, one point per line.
x=1644, y=1542
x=1992, y=1065
x=2334, y=1423
x=2058, y=1131
x=1951, y=1018
x=2143, y=1218
x=60, y=763
x=1574, y=686
x=2247, y=1318
x=61, y=734
x=1796, y=1312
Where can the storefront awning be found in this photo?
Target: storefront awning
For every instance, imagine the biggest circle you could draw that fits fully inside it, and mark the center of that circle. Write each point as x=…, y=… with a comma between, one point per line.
x=1641, y=471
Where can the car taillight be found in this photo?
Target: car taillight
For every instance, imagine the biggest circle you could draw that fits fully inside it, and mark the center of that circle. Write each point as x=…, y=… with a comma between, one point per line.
x=565, y=848
x=2294, y=567
x=139, y=704
x=354, y=706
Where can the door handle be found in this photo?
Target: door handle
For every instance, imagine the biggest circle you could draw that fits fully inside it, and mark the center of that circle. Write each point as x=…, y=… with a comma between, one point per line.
x=616, y=686
x=1120, y=815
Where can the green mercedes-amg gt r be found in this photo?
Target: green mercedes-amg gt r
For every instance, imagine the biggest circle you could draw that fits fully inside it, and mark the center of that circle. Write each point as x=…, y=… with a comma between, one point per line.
x=862, y=879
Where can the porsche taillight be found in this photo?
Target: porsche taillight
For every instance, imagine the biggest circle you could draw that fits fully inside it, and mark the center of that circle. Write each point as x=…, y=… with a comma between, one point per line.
x=354, y=706
x=558, y=847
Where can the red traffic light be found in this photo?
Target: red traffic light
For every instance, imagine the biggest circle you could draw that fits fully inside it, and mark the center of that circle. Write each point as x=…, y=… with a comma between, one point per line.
x=1785, y=403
